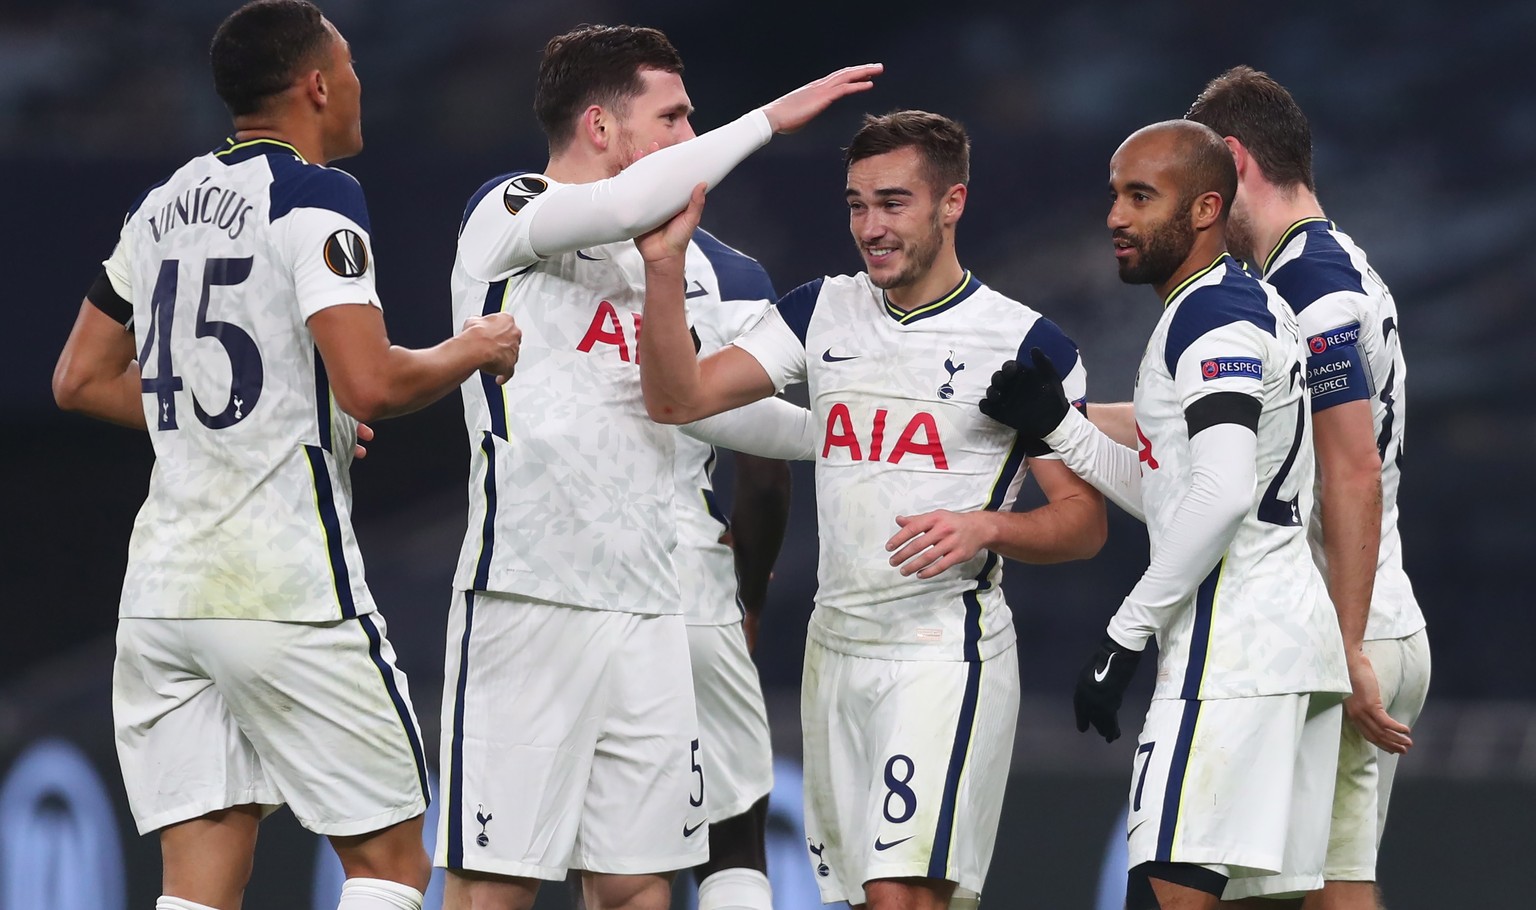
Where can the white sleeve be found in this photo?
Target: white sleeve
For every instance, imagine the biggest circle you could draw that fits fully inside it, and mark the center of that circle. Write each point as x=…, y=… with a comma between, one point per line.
x=323, y=238
x=566, y=217
x=119, y=266
x=776, y=346
x=1223, y=474
x=770, y=428
x=1112, y=468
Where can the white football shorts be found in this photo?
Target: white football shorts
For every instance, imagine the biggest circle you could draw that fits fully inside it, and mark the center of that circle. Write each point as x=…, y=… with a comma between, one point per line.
x=734, y=747
x=213, y=713
x=906, y=762
x=569, y=742
x=1365, y=772
x=1239, y=784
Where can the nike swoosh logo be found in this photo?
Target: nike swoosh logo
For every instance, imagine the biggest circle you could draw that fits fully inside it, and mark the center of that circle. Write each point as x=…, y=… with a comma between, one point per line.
x=829, y=357
x=1098, y=675
x=692, y=293
x=581, y=255
x=688, y=832
x=882, y=845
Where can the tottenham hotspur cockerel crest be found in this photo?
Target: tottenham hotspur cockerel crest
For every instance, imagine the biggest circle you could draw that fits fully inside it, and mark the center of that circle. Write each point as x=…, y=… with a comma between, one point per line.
x=947, y=390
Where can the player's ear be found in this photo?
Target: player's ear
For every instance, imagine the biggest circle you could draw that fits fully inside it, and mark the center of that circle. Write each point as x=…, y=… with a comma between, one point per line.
x=1240, y=155
x=313, y=86
x=1206, y=211
x=596, y=126
x=952, y=203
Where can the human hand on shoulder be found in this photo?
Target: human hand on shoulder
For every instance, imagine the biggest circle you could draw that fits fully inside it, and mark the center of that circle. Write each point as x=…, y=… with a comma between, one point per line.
x=801, y=106
x=1028, y=398
x=500, y=341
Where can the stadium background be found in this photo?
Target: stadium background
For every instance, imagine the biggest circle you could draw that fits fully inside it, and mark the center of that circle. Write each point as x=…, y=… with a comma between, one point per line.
x=1425, y=134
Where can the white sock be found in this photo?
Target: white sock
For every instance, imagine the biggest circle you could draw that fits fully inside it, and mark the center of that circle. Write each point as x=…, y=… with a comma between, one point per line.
x=964, y=900
x=176, y=903
x=378, y=894
x=736, y=889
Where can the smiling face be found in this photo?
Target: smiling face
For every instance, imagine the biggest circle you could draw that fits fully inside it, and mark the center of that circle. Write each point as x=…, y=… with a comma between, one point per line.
x=1149, y=217
x=896, y=217
x=657, y=116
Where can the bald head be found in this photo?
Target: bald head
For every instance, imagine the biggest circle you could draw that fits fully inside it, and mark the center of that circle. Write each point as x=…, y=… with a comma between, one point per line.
x=1193, y=155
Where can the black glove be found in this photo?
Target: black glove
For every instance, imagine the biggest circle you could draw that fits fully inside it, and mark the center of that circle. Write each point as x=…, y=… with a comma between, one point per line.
x=1029, y=399
x=1100, y=687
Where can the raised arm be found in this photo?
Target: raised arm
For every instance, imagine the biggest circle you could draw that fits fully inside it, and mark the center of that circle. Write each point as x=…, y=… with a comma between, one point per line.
x=645, y=194
x=677, y=386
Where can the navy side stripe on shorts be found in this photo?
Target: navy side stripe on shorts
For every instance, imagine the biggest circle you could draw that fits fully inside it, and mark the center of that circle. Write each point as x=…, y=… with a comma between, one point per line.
x=944, y=832
x=330, y=523
x=455, y=808
x=1178, y=766
x=413, y=735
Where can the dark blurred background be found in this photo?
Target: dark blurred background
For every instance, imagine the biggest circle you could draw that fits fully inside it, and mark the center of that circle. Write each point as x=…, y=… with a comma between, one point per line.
x=1425, y=134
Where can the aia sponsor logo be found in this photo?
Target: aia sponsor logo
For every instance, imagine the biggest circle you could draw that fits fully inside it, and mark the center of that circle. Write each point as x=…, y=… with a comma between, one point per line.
x=919, y=438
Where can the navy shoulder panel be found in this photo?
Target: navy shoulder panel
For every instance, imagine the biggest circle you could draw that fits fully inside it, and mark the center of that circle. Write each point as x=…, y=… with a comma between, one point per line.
x=1053, y=342
x=740, y=276
x=1238, y=298
x=797, y=306
x=296, y=185
x=143, y=196
x=485, y=188
x=1323, y=268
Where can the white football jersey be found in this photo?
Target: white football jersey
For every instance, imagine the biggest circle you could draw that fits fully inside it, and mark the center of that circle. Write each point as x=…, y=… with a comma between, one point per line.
x=571, y=484
x=1349, y=321
x=1260, y=623
x=249, y=508
x=896, y=394
x=706, y=568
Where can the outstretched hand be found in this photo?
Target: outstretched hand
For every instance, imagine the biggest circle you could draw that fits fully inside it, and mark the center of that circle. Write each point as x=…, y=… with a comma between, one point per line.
x=1028, y=398
x=802, y=105
x=670, y=239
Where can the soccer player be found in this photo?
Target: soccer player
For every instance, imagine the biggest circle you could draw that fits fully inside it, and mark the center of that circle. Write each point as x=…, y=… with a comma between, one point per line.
x=1357, y=376
x=252, y=666
x=570, y=737
x=911, y=689
x=1234, y=769
x=722, y=571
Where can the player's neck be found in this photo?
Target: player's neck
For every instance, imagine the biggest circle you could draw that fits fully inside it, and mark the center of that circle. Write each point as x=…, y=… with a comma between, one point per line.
x=1274, y=211
x=308, y=143
x=1208, y=248
x=577, y=166
x=939, y=280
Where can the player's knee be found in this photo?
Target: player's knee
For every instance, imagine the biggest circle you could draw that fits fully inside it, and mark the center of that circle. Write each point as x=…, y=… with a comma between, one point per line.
x=908, y=894
x=1139, y=894
x=628, y=892
x=393, y=854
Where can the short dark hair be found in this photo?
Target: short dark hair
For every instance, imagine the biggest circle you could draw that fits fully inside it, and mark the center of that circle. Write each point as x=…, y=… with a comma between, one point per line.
x=1257, y=111
x=595, y=64
x=261, y=47
x=942, y=143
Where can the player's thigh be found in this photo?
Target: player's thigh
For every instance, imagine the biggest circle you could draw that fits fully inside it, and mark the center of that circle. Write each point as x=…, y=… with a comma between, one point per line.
x=917, y=767
x=328, y=712
x=644, y=810
x=734, y=747
x=182, y=751
x=1211, y=782
x=1406, y=703
x=524, y=690
x=1311, y=812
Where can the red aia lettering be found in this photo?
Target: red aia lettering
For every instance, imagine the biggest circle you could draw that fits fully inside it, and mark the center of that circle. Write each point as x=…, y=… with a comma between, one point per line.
x=919, y=437
x=607, y=329
x=1145, y=454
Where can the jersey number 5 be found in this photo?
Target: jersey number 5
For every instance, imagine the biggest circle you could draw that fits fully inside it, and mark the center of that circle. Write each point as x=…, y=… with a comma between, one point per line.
x=245, y=372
